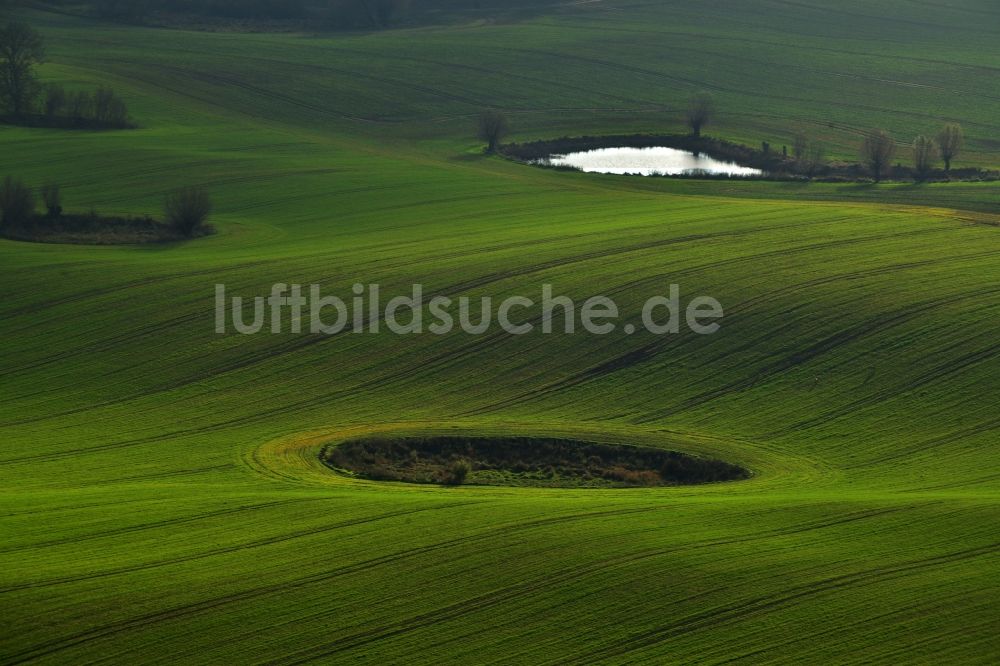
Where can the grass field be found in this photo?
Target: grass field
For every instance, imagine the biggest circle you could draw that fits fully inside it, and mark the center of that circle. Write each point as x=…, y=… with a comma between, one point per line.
x=162, y=499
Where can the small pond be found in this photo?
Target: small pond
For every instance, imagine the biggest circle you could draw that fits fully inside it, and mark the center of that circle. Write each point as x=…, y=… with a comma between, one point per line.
x=648, y=162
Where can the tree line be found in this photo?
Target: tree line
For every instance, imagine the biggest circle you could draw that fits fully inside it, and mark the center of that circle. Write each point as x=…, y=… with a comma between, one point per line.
x=186, y=210
x=331, y=13
x=878, y=149
x=26, y=100
x=315, y=14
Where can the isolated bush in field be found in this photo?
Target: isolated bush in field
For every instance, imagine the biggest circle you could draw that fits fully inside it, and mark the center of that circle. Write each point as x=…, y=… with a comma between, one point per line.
x=21, y=48
x=877, y=152
x=924, y=155
x=52, y=198
x=949, y=142
x=55, y=100
x=17, y=202
x=493, y=128
x=701, y=110
x=187, y=209
x=458, y=471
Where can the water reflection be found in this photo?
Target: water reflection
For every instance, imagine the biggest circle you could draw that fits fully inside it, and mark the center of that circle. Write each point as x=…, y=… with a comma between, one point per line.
x=649, y=162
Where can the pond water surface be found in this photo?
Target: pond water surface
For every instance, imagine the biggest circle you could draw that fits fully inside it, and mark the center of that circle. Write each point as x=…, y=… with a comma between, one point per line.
x=648, y=162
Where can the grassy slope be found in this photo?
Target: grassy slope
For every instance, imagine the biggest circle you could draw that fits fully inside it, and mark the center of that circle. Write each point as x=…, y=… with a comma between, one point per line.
x=161, y=498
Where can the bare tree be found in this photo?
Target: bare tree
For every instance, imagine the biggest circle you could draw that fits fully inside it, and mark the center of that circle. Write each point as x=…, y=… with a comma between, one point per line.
x=815, y=158
x=55, y=100
x=949, y=142
x=103, y=98
x=924, y=155
x=493, y=128
x=81, y=106
x=17, y=202
x=21, y=48
x=701, y=110
x=800, y=146
x=109, y=109
x=187, y=209
x=52, y=198
x=877, y=152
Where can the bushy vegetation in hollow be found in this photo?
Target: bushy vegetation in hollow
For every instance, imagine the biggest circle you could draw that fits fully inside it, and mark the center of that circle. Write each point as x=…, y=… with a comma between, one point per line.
x=527, y=460
x=93, y=228
x=186, y=211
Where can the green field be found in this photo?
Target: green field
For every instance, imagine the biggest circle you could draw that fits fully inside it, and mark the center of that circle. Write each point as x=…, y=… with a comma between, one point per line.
x=161, y=494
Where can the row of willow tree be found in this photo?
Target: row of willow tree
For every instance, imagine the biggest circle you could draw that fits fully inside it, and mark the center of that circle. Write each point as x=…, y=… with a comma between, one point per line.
x=24, y=99
x=879, y=149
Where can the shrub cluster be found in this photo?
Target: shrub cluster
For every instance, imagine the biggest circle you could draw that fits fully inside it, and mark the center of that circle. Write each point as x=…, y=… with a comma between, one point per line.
x=102, y=108
x=25, y=101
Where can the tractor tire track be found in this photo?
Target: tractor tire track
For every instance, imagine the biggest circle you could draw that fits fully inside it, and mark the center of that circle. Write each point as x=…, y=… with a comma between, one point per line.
x=187, y=610
x=649, y=351
x=740, y=611
x=533, y=587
